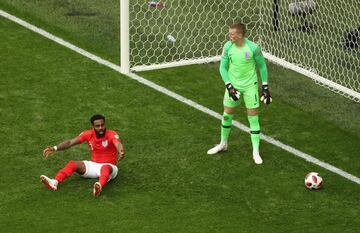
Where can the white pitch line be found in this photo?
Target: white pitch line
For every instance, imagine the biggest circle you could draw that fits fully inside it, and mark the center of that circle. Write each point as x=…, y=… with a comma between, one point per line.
x=180, y=98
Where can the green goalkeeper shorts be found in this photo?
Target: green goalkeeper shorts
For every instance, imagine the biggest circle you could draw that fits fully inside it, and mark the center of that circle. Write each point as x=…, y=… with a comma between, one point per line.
x=250, y=96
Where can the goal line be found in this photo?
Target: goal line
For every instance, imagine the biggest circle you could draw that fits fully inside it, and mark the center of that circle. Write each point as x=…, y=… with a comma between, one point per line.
x=276, y=60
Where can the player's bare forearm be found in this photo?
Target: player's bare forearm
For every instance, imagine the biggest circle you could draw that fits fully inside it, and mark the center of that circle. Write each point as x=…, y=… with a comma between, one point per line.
x=65, y=145
x=120, y=150
x=61, y=146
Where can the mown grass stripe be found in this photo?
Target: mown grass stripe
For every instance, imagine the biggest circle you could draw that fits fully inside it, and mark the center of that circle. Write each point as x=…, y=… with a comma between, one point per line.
x=180, y=98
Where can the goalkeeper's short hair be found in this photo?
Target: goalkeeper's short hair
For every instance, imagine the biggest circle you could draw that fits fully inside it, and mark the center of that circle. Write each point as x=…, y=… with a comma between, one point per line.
x=240, y=27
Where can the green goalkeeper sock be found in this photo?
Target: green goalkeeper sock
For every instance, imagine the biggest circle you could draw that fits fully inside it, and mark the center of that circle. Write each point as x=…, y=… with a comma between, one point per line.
x=255, y=132
x=226, y=126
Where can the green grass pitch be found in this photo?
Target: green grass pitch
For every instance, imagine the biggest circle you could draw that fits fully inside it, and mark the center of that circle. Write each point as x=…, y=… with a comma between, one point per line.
x=166, y=183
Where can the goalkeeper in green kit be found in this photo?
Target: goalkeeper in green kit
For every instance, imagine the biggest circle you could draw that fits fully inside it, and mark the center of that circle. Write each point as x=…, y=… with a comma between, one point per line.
x=238, y=70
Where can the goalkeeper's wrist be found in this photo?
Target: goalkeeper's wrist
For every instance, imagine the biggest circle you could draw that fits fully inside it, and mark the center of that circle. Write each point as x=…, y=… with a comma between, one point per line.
x=55, y=148
x=228, y=84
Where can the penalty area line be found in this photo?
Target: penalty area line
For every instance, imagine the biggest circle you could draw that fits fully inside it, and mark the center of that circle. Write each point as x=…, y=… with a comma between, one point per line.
x=178, y=97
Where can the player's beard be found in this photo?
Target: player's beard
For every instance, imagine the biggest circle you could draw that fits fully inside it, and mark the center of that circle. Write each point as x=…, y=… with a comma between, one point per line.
x=100, y=133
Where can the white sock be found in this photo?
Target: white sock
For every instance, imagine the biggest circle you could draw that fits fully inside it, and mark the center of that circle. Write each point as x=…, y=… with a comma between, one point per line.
x=223, y=143
x=55, y=182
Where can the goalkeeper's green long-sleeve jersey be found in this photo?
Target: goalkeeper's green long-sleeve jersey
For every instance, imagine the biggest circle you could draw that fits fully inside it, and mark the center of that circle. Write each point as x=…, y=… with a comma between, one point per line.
x=238, y=65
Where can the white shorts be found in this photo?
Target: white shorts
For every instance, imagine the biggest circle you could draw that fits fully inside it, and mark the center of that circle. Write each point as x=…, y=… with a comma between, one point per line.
x=93, y=169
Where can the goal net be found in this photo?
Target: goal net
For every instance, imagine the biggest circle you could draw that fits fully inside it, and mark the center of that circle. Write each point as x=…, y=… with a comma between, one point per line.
x=318, y=38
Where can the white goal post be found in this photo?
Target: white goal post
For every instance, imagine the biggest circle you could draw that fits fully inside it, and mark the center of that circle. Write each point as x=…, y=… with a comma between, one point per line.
x=124, y=37
x=317, y=38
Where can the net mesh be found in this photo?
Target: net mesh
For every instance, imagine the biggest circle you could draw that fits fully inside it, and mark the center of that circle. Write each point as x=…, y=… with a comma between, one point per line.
x=181, y=30
x=321, y=36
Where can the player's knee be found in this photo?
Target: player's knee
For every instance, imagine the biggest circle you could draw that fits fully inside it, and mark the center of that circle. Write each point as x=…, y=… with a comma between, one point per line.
x=72, y=165
x=252, y=111
x=229, y=110
x=107, y=169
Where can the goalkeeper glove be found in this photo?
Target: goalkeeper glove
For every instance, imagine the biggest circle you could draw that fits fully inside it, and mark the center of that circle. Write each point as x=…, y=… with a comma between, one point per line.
x=265, y=97
x=233, y=93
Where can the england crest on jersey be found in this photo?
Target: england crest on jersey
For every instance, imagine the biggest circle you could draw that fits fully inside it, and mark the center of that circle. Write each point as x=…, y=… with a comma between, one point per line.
x=247, y=55
x=104, y=143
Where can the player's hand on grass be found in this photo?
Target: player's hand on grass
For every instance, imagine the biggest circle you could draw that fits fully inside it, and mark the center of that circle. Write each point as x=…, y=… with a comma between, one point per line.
x=265, y=96
x=48, y=150
x=233, y=93
x=121, y=155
